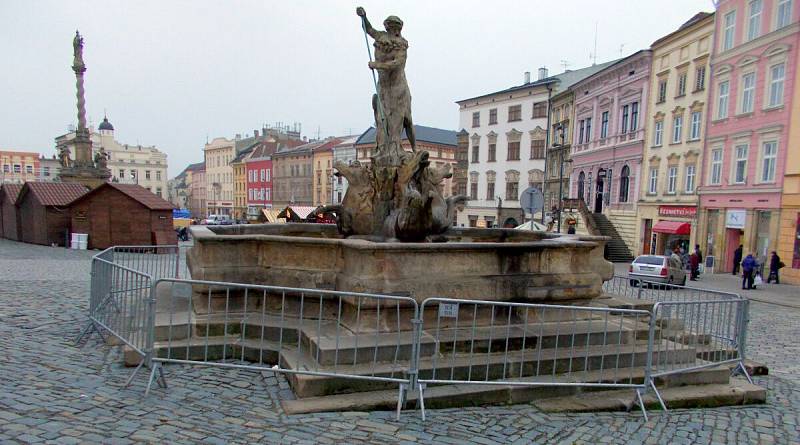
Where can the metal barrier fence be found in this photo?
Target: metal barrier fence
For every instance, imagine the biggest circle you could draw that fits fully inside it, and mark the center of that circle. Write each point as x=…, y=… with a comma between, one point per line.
x=519, y=344
x=299, y=332
x=318, y=336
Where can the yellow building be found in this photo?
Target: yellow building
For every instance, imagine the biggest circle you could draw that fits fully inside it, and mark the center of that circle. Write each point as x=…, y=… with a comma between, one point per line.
x=322, y=159
x=789, y=231
x=240, y=183
x=667, y=213
x=219, y=176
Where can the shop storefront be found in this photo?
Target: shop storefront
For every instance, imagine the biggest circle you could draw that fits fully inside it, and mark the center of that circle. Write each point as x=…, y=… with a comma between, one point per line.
x=665, y=227
x=726, y=229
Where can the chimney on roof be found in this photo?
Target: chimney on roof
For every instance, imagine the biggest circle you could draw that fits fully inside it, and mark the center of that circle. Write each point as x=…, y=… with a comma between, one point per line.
x=543, y=73
x=238, y=136
x=527, y=77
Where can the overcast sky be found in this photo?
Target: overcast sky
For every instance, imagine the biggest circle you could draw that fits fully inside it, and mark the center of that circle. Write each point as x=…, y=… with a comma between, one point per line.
x=171, y=73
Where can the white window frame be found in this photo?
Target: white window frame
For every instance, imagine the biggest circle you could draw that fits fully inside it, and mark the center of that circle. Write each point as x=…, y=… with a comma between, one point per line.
x=740, y=153
x=723, y=99
x=769, y=161
x=729, y=30
x=715, y=178
x=672, y=179
x=754, y=10
x=658, y=133
x=783, y=13
x=677, y=128
x=691, y=173
x=747, y=95
x=775, y=90
x=694, y=129
x=653, y=181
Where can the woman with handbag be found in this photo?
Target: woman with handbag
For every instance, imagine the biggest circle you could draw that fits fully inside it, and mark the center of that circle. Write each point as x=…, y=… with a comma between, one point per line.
x=775, y=264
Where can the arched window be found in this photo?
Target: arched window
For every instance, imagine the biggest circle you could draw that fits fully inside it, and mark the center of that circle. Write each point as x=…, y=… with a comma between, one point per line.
x=581, y=181
x=624, y=184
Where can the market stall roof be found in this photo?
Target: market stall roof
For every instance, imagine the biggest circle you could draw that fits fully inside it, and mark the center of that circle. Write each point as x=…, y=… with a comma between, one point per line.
x=673, y=227
x=301, y=212
x=272, y=216
x=532, y=225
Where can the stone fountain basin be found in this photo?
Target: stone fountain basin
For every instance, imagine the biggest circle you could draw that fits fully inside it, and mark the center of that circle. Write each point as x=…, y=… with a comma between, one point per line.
x=474, y=264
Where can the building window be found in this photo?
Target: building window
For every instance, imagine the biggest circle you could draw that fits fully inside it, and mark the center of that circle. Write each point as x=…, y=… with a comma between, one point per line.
x=29, y=169
x=17, y=168
x=722, y=99
x=784, y=13
x=6, y=168
x=46, y=171
x=122, y=173
x=512, y=191
x=537, y=148
x=770, y=154
x=677, y=129
x=729, y=30
x=658, y=134
x=624, y=184
x=634, y=116
x=740, y=170
x=475, y=152
x=539, y=110
x=653, y=183
x=492, y=153
x=604, y=125
x=476, y=119
x=681, y=84
x=158, y=191
x=581, y=126
x=473, y=190
x=493, y=116
x=147, y=174
x=513, y=151
x=662, y=91
x=777, y=75
x=672, y=179
x=754, y=20
x=624, y=119
x=490, y=191
x=700, y=78
x=690, y=174
x=581, y=182
x=695, y=128
x=748, y=92
x=514, y=113
x=588, y=129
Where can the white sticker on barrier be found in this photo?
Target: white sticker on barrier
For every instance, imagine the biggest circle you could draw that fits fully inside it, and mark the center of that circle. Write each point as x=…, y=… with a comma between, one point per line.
x=448, y=310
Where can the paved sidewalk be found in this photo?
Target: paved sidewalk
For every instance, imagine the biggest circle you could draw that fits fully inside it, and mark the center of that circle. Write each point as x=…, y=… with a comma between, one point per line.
x=53, y=392
x=782, y=294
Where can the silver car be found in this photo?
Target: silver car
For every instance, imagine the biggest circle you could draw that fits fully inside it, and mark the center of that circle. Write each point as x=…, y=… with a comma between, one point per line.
x=657, y=269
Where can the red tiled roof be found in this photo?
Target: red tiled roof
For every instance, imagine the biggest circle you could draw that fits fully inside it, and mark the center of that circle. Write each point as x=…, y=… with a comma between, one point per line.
x=135, y=192
x=12, y=191
x=54, y=193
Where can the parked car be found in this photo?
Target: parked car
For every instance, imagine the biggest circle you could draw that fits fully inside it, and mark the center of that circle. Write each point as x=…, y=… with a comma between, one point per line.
x=656, y=269
x=218, y=220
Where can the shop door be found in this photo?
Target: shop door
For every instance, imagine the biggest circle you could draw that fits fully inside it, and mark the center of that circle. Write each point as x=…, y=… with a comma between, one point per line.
x=732, y=237
x=598, y=199
x=648, y=234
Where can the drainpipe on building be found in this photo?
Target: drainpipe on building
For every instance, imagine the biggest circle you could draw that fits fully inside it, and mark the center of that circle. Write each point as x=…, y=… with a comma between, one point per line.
x=546, y=147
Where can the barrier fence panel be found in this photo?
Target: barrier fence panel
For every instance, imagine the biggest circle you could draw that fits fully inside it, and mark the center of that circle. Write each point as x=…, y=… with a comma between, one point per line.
x=156, y=261
x=337, y=337
x=647, y=290
x=518, y=344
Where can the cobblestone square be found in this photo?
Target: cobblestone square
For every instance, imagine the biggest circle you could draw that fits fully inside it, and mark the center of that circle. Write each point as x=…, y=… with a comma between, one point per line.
x=53, y=392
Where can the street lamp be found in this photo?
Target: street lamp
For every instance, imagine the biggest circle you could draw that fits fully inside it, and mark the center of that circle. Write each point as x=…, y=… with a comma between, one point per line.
x=560, y=129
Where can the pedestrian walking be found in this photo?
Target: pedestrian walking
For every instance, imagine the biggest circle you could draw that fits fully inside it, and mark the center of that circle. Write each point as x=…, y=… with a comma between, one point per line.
x=737, y=259
x=775, y=264
x=694, y=264
x=748, y=271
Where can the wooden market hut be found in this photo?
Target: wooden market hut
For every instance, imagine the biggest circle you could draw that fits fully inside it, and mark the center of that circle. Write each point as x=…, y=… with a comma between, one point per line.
x=123, y=215
x=9, y=214
x=44, y=212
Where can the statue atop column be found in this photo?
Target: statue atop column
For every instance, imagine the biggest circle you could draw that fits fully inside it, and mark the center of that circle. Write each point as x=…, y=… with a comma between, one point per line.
x=398, y=195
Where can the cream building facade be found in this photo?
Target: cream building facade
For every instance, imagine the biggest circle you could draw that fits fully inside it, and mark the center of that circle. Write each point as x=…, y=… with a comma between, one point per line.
x=129, y=164
x=673, y=151
x=218, y=155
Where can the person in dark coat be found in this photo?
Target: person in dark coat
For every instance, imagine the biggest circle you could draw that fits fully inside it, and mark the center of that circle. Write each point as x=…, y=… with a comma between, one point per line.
x=774, y=265
x=737, y=259
x=748, y=271
x=694, y=264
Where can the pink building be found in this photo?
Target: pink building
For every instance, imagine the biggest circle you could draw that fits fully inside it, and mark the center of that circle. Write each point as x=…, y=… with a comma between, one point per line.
x=258, y=167
x=752, y=79
x=610, y=112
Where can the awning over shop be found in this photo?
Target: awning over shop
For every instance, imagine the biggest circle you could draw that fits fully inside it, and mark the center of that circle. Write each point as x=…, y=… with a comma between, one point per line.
x=673, y=227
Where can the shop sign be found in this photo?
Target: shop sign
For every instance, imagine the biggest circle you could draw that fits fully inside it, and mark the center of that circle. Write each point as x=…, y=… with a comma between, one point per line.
x=679, y=211
x=734, y=219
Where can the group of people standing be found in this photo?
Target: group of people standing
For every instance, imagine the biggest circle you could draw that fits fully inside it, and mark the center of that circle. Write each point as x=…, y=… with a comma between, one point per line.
x=751, y=275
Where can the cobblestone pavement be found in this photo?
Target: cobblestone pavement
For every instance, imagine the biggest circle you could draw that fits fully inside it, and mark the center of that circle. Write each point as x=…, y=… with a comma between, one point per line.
x=51, y=391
